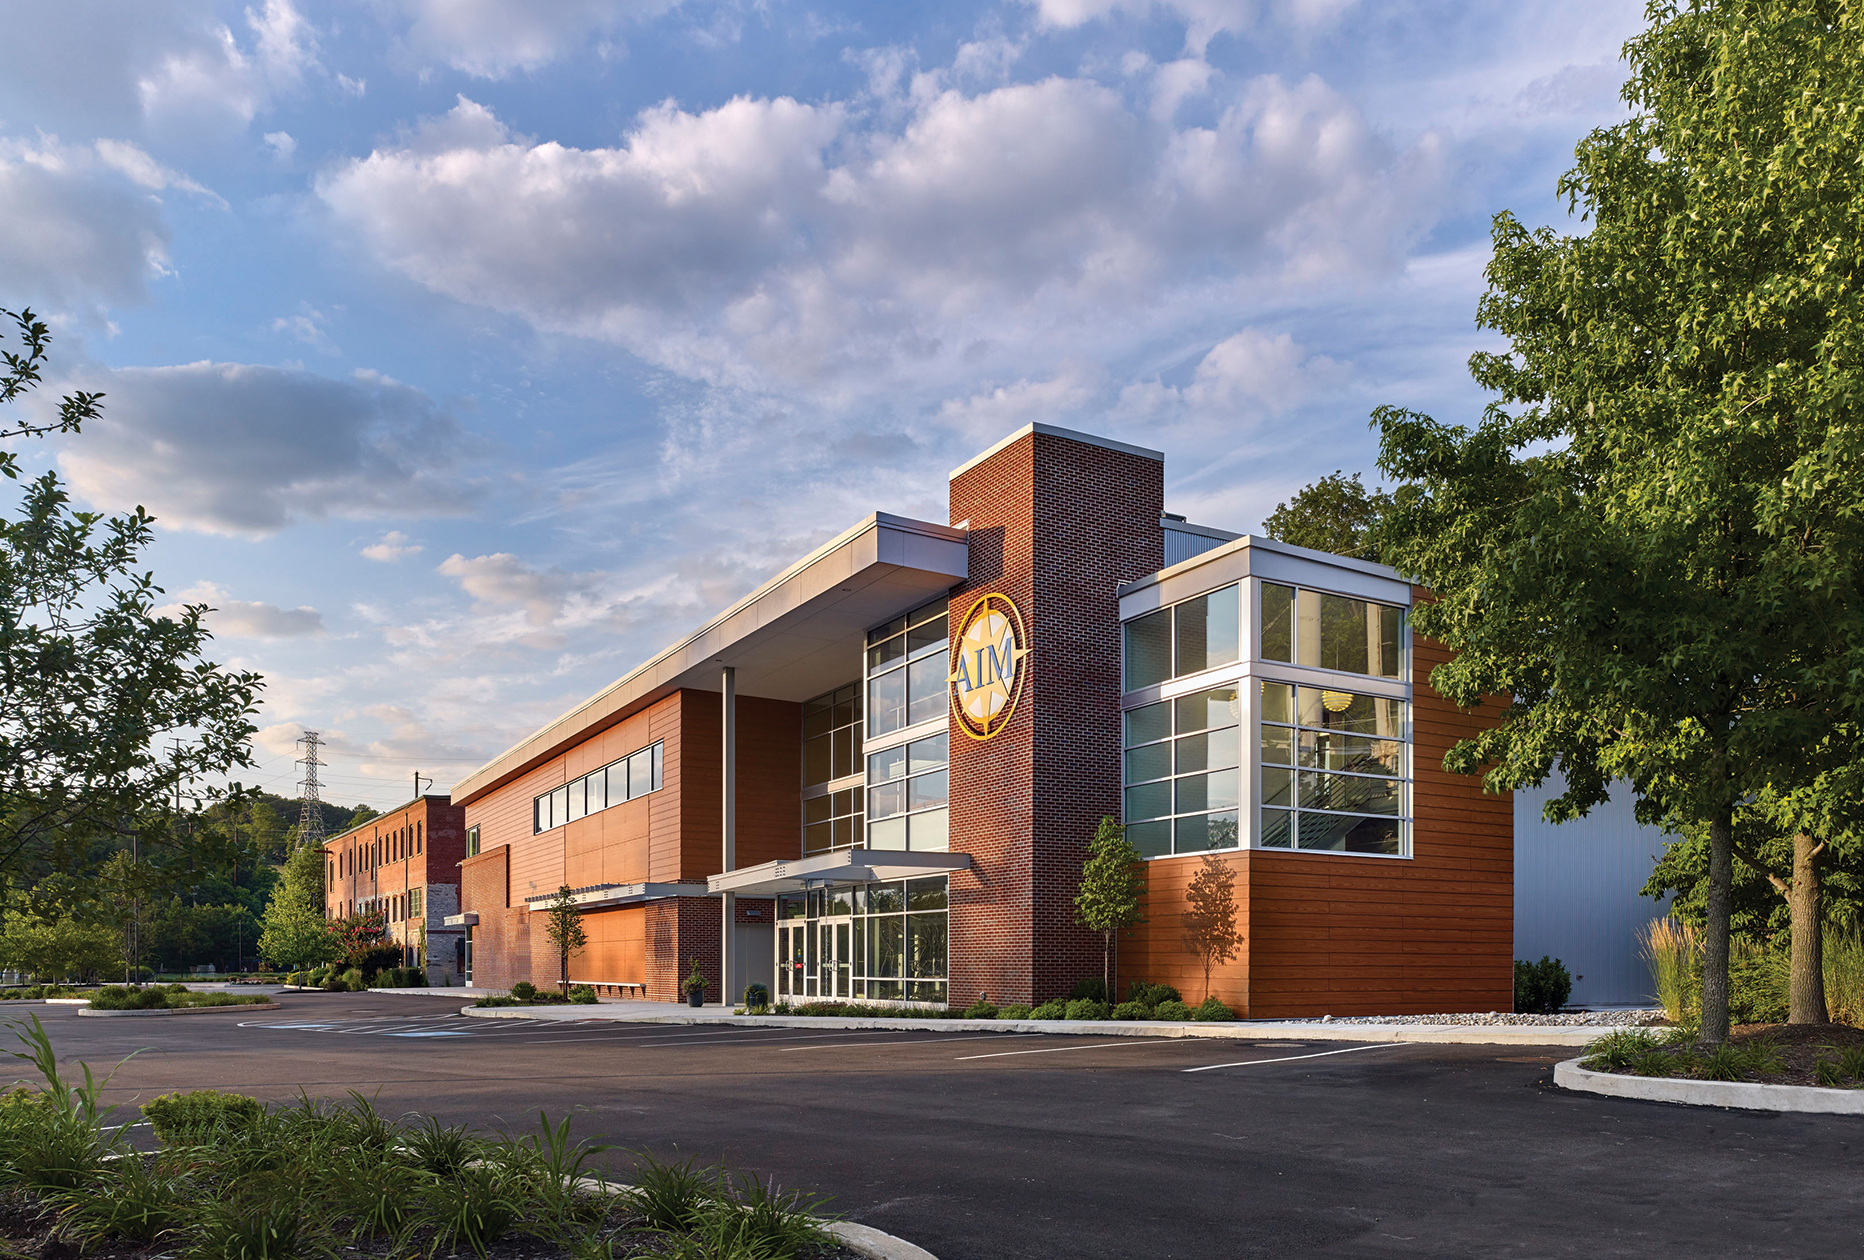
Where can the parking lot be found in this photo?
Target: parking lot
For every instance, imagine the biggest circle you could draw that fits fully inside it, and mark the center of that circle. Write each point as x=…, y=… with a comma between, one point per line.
x=1002, y=1145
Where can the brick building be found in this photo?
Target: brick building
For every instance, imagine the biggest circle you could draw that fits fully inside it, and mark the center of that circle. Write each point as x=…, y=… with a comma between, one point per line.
x=882, y=767
x=406, y=865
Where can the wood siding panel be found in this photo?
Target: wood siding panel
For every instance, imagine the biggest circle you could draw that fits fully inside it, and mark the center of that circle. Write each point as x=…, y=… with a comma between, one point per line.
x=1341, y=935
x=1155, y=952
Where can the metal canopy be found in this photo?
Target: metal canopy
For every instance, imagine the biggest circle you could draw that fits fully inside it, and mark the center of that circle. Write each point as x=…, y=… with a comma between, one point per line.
x=847, y=866
x=798, y=635
x=602, y=896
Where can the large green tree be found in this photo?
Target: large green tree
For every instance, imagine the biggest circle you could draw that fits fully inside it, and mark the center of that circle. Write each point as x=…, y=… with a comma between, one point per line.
x=1650, y=542
x=109, y=712
x=295, y=931
x=1335, y=514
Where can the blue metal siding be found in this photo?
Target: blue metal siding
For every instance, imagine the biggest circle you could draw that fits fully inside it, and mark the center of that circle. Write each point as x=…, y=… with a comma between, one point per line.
x=1577, y=898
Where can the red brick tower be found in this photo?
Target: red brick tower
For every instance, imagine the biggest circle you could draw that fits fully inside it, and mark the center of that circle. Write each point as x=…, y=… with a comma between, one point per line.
x=1057, y=521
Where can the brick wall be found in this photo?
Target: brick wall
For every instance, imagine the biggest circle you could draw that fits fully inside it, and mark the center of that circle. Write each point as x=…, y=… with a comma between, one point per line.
x=1056, y=525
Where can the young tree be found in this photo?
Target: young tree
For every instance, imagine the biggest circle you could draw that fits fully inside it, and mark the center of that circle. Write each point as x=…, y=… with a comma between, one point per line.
x=295, y=931
x=564, y=925
x=1210, y=930
x=1112, y=894
x=1334, y=514
x=106, y=709
x=1651, y=543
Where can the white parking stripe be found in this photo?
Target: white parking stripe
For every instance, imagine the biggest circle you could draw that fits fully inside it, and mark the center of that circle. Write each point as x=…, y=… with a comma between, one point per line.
x=1211, y=1067
x=1098, y=1045
x=923, y=1041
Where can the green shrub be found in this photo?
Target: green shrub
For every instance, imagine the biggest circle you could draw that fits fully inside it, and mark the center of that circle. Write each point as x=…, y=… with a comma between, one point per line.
x=1851, y=1062
x=524, y=990
x=262, y=1221
x=1618, y=1048
x=1658, y=1063
x=440, y=1149
x=1211, y=1009
x=116, y=997
x=1132, y=1010
x=1541, y=988
x=1173, y=1010
x=1086, y=1008
x=1152, y=994
x=1015, y=1010
x=353, y=980
x=193, y=1117
x=672, y=1196
x=980, y=1009
x=583, y=994
x=1757, y=983
x=1092, y=989
x=785, y=1222
x=1055, y=1009
x=756, y=996
x=1828, y=1073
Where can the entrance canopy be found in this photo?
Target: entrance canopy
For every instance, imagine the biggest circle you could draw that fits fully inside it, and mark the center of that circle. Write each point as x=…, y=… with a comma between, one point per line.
x=798, y=635
x=602, y=896
x=848, y=866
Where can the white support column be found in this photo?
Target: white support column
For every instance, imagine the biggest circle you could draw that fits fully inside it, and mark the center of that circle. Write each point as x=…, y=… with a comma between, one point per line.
x=729, y=902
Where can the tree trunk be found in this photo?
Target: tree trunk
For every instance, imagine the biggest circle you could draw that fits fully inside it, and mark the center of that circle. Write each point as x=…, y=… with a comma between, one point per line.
x=1106, y=966
x=1806, y=997
x=1715, y=929
x=565, y=980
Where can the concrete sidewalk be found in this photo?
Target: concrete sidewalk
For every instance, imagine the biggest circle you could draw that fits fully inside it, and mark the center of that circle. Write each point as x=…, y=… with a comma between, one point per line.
x=633, y=1012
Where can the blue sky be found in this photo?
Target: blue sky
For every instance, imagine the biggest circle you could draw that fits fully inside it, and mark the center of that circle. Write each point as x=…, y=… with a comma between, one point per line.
x=469, y=352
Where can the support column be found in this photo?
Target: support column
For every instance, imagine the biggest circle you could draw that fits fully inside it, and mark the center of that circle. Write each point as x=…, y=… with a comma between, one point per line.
x=728, y=901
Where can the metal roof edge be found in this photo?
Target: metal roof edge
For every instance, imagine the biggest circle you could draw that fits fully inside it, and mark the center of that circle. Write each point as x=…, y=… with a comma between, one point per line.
x=1256, y=541
x=1051, y=430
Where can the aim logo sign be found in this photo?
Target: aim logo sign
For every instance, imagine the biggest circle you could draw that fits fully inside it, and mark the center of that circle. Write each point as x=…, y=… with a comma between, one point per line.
x=987, y=666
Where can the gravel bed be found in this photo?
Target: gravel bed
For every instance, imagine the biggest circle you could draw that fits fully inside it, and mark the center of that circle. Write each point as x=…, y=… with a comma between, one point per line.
x=1579, y=1019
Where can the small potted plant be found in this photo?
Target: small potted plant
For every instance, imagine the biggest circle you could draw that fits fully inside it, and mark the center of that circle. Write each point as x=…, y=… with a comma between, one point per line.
x=695, y=985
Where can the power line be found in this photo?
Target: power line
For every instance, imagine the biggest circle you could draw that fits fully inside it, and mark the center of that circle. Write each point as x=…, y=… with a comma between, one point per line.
x=311, y=817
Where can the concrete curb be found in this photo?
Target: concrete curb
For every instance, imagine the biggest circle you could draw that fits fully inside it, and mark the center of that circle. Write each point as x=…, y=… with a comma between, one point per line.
x=863, y=1240
x=185, y=1010
x=1241, y=1030
x=1744, y=1095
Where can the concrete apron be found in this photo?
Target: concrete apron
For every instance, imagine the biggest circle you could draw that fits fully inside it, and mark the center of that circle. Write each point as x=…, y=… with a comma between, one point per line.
x=1238, y=1030
x=1745, y=1095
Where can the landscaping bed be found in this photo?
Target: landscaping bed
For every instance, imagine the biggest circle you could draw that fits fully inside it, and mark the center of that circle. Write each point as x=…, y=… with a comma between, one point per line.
x=233, y=1179
x=1825, y=1055
x=524, y=993
x=168, y=997
x=1157, y=1002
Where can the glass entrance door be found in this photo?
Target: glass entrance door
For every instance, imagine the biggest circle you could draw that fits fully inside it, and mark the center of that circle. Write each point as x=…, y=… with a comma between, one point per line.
x=835, y=957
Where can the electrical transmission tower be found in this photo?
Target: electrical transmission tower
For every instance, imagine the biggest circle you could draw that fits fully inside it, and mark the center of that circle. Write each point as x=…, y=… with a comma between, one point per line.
x=311, y=817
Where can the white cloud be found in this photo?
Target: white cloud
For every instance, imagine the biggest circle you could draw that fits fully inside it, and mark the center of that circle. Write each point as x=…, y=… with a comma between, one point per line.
x=81, y=226
x=1203, y=19
x=308, y=326
x=281, y=144
x=393, y=546
x=213, y=81
x=246, y=619
x=495, y=38
x=773, y=244
x=1248, y=375
x=232, y=448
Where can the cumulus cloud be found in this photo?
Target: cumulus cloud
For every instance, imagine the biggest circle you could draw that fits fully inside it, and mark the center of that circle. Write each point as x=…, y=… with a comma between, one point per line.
x=1248, y=375
x=774, y=243
x=82, y=227
x=217, y=79
x=1203, y=19
x=246, y=619
x=233, y=448
x=495, y=38
x=308, y=326
x=532, y=606
x=394, y=545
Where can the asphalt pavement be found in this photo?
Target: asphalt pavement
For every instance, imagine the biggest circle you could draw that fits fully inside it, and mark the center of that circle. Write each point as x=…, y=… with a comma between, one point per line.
x=986, y=1146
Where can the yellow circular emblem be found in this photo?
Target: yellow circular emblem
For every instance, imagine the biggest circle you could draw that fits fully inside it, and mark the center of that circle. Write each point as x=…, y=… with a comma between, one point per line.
x=987, y=666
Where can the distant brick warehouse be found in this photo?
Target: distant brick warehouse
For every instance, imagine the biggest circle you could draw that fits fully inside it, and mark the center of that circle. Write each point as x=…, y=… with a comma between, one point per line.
x=406, y=865
x=882, y=768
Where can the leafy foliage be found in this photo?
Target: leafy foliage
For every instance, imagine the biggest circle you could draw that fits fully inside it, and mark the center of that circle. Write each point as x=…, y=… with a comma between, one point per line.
x=1541, y=988
x=563, y=925
x=1651, y=541
x=1335, y=514
x=1111, y=896
x=296, y=932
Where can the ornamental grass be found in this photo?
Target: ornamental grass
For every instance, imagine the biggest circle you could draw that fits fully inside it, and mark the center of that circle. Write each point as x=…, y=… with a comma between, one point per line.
x=234, y=1179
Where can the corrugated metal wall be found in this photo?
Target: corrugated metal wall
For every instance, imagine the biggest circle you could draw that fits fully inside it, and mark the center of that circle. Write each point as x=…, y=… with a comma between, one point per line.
x=1182, y=545
x=1577, y=898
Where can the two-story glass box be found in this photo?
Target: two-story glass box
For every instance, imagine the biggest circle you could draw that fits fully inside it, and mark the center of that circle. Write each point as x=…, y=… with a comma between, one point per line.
x=874, y=777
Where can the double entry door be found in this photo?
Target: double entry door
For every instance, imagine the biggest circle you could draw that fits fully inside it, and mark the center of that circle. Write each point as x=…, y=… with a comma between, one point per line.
x=815, y=958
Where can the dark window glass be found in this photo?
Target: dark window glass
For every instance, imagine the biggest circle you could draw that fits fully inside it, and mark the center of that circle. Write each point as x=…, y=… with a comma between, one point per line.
x=1277, y=622
x=926, y=636
x=1149, y=800
x=886, y=945
x=1277, y=829
x=1206, y=709
x=886, y=898
x=818, y=717
x=1152, y=839
x=1390, y=621
x=928, y=754
x=883, y=766
x=1207, y=631
x=886, y=702
x=1148, y=649
x=816, y=761
x=1153, y=761
x=1349, y=793
x=1206, y=832
x=886, y=799
x=842, y=761
x=1147, y=724
x=1277, y=745
x=926, y=934
x=882, y=653
x=926, y=894
x=1277, y=786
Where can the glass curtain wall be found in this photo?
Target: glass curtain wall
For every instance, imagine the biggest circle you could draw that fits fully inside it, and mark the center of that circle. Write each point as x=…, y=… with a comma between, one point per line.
x=832, y=756
x=907, y=784
x=883, y=942
x=1332, y=762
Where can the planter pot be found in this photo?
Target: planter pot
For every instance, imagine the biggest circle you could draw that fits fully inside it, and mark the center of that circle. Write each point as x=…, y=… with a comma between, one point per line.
x=695, y=997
